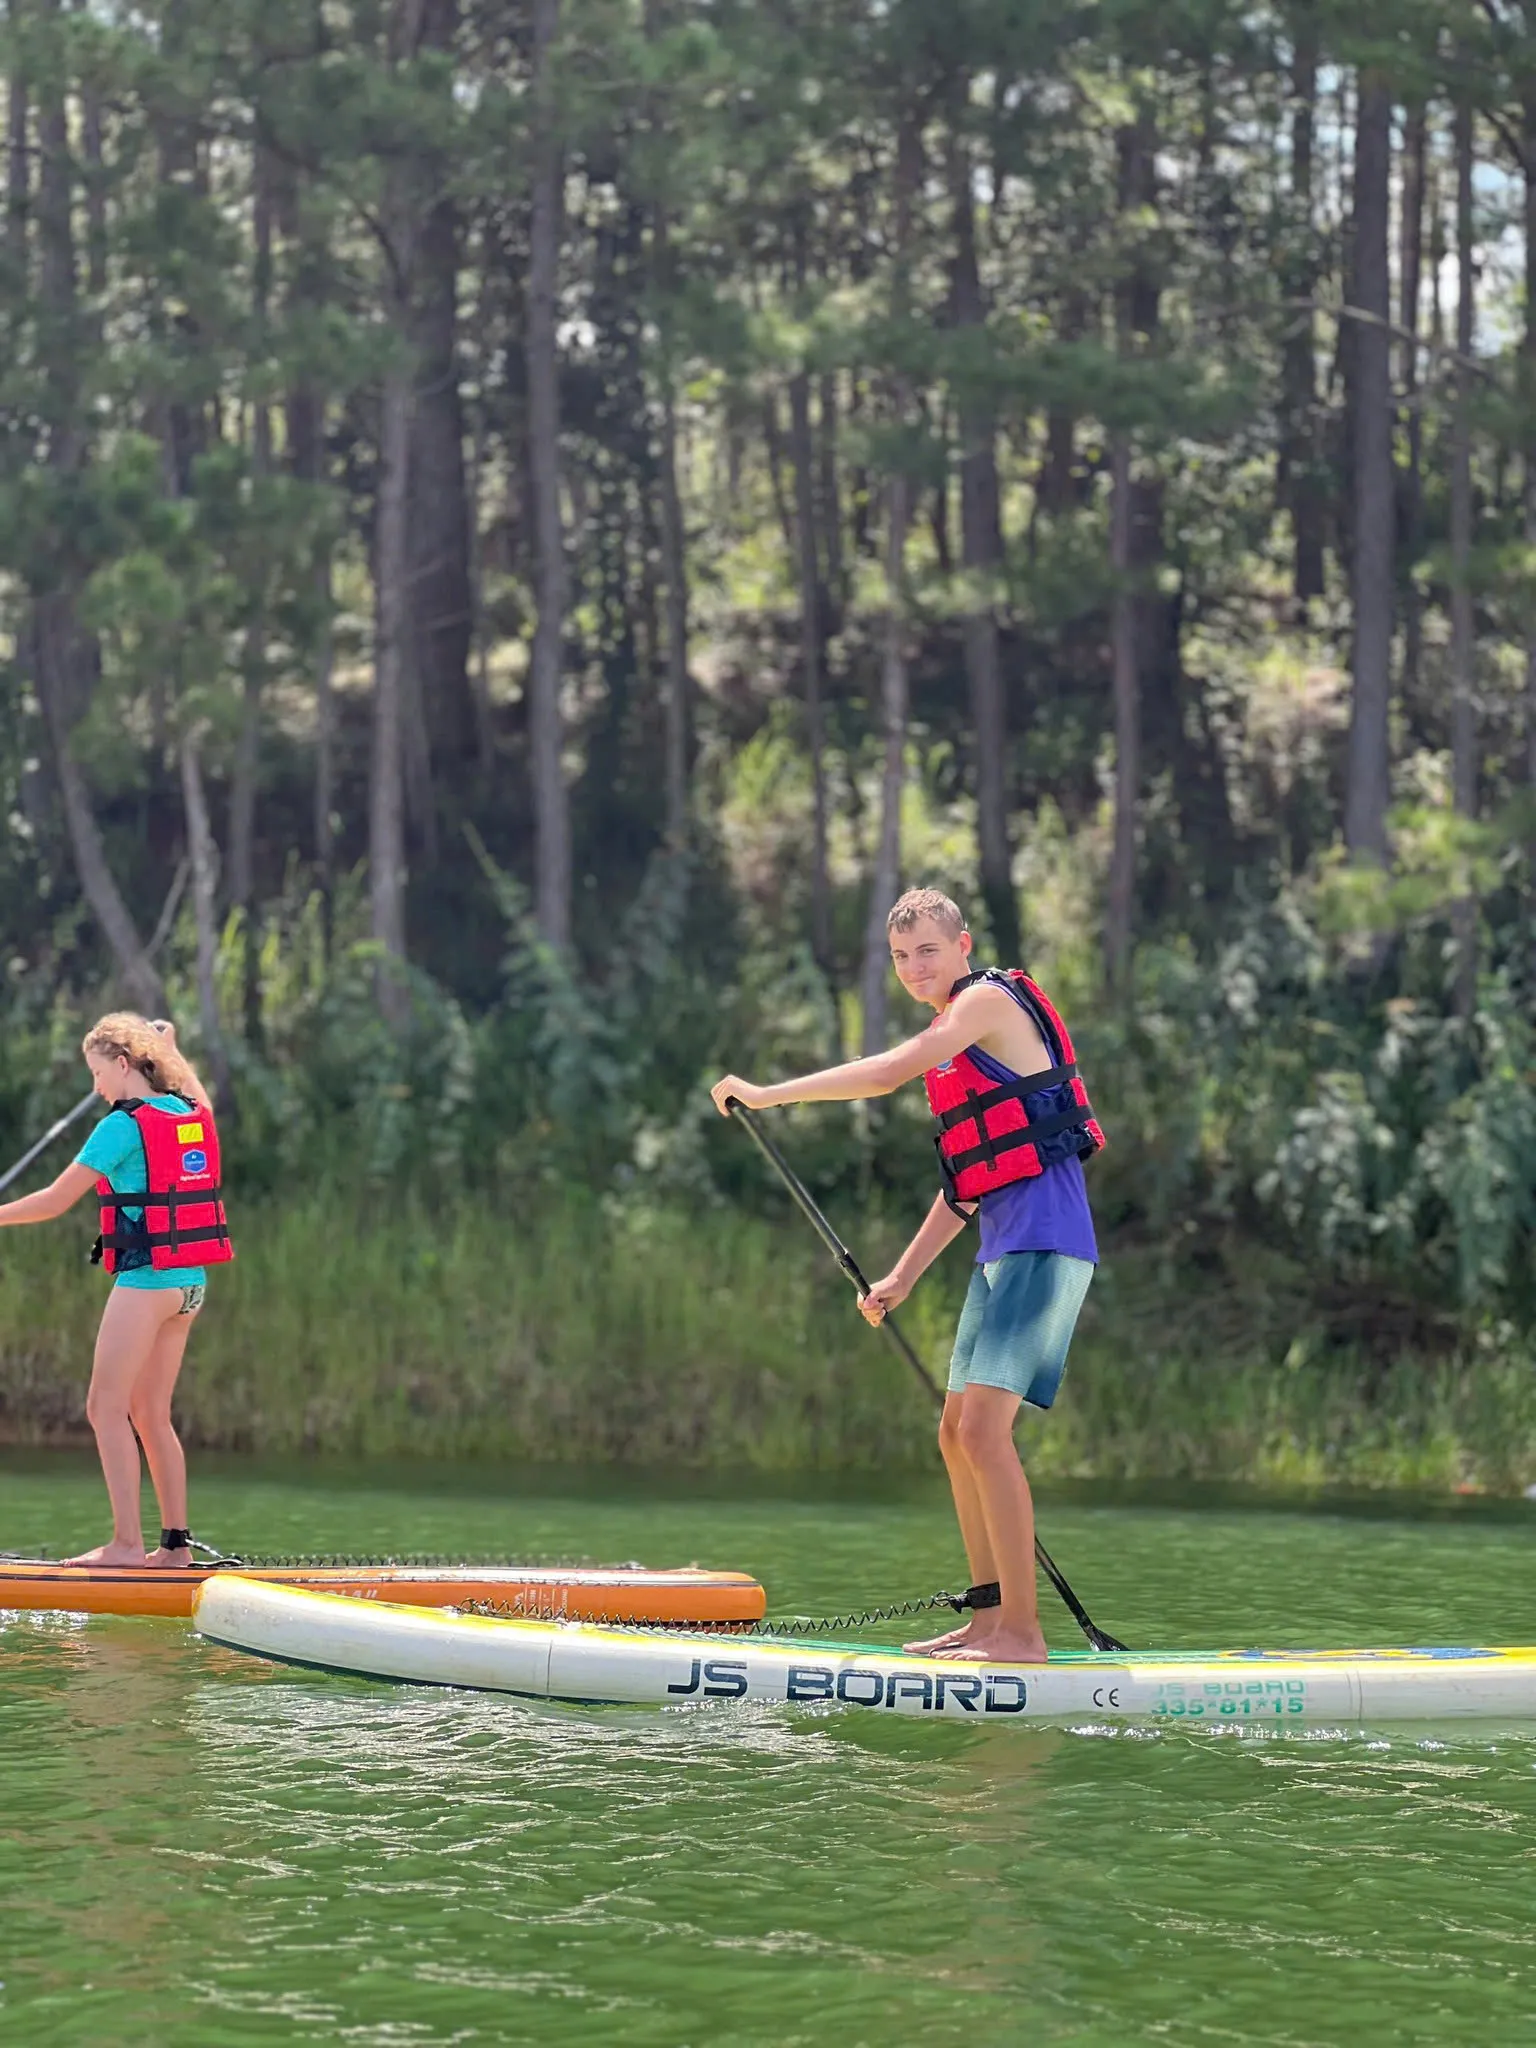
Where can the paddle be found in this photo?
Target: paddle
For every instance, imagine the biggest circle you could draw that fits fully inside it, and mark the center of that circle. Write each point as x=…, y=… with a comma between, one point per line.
x=845, y=1259
x=54, y=1130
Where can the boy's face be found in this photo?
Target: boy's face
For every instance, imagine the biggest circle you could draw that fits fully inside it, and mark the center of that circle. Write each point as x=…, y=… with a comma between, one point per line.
x=929, y=960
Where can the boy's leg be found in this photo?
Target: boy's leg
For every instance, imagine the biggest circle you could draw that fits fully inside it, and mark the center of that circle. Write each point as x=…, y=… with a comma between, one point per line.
x=962, y=1483
x=1010, y=1631
x=968, y=1512
x=1020, y=1347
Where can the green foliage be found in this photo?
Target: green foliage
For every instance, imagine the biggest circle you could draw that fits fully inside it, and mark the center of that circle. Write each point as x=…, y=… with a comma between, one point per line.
x=269, y=205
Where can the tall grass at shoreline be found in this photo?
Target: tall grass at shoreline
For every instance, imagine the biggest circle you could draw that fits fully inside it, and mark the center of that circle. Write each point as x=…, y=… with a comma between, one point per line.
x=590, y=1333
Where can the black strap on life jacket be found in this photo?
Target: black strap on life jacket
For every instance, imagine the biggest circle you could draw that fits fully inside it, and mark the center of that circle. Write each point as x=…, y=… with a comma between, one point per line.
x=987, y=1147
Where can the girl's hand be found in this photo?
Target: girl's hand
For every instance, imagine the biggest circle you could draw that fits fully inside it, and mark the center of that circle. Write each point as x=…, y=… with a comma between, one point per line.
x=885, y=1295
x=734, y=1089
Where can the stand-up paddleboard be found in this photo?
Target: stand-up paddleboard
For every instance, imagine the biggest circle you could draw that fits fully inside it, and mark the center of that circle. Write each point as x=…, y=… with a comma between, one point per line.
x=590, y=1663
x=617, y=1592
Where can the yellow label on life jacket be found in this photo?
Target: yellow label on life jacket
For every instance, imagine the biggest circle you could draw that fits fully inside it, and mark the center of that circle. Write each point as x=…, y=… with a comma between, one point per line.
x=189, y=1134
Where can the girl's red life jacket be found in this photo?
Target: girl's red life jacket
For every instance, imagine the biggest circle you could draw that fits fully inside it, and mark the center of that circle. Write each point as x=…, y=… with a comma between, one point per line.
x=183, y=1222
x=987, y=1139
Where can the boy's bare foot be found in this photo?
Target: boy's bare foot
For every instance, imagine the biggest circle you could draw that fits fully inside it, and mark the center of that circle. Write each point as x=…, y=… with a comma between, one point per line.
x=175, y=1560
x=943, y=1642
x=110, y=1553
x=1000, y=1646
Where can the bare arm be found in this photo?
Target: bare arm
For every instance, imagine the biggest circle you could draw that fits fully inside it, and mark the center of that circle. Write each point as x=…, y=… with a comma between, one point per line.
x=881, y=1073
x=60, y=1195
x=940, y=1227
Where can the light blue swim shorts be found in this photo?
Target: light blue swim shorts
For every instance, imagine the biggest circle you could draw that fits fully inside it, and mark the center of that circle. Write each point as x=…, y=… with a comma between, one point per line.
x=1017, y=1323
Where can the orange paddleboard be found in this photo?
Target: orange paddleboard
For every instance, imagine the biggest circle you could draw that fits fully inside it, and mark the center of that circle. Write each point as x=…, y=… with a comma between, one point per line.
x=580, y=1592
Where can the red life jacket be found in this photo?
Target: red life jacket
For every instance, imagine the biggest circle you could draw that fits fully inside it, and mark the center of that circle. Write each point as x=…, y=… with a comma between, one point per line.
x=986, y=1138
x=183, y=1222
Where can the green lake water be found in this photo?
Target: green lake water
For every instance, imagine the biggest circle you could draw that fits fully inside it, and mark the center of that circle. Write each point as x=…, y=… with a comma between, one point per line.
x=196, y=1848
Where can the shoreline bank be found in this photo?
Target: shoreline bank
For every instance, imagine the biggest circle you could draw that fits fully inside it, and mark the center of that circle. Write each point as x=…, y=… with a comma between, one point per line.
x=723, y=1341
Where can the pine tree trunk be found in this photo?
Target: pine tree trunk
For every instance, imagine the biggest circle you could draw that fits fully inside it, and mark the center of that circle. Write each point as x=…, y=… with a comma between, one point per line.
x=1410, y=269
x=304, y=421
x=386, y=808
x=829, y=506
x=441, y=604
x=773, y=446
x=674, y=569
x=60, y=655
x=1304, y=489
x=809, y=532
x=18, y=169
x=885, y=882
x=415, y=740
x=93, y=142
x=479, y=635
x=204, y=857
x=1463, y=644
x=886, y=878
x=63, y=658
x=1060, y=487
x=803, y=455
x=551, y=802
x=1367, y=790
x=938, y=510
x=1127, y=699
x=1527, y=373
x=242, y=792
x=981, y=543
x=242, y=833
x=325, y=752
x=1137, y=620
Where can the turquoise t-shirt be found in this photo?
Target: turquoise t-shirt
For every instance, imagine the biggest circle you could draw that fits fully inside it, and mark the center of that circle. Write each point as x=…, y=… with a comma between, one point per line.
x=116, y=1151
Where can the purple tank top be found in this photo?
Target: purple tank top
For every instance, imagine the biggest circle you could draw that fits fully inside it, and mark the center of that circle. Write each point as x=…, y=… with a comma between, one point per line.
x=1047, y=1214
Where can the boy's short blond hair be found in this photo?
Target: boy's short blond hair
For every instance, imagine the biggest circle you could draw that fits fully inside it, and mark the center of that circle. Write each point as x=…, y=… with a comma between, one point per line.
x=916, y=904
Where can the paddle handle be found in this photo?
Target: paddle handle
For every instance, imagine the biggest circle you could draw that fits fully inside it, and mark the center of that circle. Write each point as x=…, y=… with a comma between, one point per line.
x=829, y=1237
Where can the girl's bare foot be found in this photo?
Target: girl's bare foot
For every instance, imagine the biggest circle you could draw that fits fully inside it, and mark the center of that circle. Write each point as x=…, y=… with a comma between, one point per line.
x=1000, y=1646
x=110, y=1553
x=174, y=1560
x=944, y=1642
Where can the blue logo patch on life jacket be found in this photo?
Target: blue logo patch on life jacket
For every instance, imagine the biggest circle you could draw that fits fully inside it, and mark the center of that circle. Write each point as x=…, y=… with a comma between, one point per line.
x=194, y=1162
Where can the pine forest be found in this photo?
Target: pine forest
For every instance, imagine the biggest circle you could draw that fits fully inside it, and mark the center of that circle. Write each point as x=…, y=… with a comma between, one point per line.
x=524, y=527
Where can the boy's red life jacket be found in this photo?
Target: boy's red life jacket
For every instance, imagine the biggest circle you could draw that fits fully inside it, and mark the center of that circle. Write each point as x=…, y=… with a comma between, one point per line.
x=183, y=1222
x=987, y=1138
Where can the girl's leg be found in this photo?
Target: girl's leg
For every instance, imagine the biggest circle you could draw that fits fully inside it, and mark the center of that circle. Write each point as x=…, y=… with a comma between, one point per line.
x=130, y=1323
x=149, y=1410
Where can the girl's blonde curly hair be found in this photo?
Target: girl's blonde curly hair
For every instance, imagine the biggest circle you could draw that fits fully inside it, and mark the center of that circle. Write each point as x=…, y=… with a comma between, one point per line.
x=150, y=1049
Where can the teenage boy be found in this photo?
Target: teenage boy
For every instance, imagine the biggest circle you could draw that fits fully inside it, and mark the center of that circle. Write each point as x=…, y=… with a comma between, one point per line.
x=1015, y=1152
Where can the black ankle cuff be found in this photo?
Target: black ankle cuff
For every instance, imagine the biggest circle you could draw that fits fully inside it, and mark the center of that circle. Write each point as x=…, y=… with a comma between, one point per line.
x=175, y=1539
x=988, y=1595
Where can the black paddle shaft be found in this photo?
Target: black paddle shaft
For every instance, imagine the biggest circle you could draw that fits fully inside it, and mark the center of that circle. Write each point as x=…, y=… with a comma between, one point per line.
x=806, y=1202
x=54, y=1130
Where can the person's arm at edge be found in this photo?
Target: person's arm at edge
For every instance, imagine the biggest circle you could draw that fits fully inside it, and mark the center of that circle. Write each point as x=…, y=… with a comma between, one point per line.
x=880, y=1073
x=940, y=1227
x=54, y=1200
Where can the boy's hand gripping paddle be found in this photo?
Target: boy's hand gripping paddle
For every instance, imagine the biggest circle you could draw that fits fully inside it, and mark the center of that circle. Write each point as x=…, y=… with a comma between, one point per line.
x=845, y=1259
